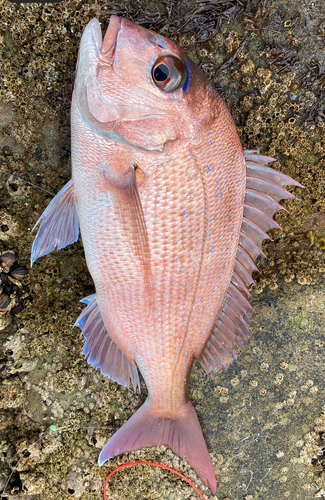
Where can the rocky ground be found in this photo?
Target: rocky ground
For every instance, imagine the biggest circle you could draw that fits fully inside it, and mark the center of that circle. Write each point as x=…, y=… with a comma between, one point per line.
x=264, y=419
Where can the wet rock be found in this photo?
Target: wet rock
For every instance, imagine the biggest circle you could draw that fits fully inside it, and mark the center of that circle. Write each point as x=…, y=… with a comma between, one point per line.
x=95, y=437
x=14, y=186
x=32, y=483
x=22, y=361
x=96, y=486
x=11, y=393
x=264, y=431
x=73, y=485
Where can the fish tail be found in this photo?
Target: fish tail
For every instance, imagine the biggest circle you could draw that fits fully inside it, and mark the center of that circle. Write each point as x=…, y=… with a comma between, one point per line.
x=182, y=433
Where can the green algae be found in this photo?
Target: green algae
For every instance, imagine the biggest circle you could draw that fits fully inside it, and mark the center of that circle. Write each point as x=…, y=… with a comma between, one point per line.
x=263, y=418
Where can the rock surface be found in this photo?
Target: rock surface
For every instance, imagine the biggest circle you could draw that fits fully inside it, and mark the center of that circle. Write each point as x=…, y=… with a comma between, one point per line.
x=264, y=419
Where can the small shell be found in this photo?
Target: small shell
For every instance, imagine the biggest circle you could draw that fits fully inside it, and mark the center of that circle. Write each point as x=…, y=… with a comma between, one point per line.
x=19, y=273
x=4, y=301
x=3, y=278
x=17, y=309
x=8, y=259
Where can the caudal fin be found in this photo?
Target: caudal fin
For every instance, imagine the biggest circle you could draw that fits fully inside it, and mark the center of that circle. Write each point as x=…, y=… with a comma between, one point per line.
x=182, y=434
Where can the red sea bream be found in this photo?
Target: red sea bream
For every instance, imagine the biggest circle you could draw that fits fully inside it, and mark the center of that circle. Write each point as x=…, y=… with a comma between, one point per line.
x=172, y=214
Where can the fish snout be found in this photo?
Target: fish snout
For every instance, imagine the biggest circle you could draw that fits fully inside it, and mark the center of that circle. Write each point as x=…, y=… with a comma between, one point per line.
x=107, y=51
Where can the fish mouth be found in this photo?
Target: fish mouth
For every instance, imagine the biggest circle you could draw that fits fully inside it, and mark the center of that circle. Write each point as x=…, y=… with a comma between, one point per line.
x=107, y=50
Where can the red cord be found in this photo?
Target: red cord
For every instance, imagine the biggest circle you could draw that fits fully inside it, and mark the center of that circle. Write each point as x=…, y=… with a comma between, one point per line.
x=155, y=465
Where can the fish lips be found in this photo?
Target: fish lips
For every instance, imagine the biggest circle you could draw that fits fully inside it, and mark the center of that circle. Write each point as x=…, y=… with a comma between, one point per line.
x=93, y=47
x=90, y=45
x=107, y=51
x=106, y=47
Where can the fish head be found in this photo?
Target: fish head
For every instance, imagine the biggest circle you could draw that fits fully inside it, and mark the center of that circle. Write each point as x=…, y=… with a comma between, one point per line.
x=138, y=87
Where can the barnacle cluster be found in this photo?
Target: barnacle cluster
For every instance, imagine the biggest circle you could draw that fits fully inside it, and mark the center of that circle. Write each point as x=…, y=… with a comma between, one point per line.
x=56, y=412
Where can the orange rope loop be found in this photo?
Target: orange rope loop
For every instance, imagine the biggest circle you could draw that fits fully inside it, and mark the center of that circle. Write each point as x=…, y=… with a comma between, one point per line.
x=154, y=465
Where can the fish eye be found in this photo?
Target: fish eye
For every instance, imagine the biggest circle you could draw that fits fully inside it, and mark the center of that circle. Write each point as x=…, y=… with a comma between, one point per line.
x=169, y=73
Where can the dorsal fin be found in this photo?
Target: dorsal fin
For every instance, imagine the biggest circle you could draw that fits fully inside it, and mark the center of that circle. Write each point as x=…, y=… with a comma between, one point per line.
x=263, y=191
x=100, y=349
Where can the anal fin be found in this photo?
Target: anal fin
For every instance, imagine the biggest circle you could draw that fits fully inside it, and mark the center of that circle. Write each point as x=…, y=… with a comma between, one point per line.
x=101, y=350
x=59, y=224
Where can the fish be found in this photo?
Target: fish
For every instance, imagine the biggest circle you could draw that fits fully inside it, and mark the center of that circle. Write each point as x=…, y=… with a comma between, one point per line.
x=172, y=213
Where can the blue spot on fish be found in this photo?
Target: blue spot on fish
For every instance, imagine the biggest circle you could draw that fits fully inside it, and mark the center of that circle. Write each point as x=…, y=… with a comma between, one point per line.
x=161, y=42
x=188, y=78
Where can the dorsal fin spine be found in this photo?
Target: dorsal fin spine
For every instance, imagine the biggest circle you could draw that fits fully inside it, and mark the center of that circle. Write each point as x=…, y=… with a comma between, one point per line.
x=250, y=246
x=263, y=191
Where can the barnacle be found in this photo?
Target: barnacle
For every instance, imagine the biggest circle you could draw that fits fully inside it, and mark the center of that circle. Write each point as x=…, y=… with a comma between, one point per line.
x=278, y=108
x=321, y=243
x=312, y=238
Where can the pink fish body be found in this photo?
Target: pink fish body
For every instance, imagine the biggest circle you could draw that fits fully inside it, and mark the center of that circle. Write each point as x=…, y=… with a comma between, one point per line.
x=172, y=214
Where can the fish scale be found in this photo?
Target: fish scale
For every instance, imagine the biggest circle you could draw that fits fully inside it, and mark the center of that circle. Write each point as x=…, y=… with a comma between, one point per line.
x=174, y=233
x=172, y=214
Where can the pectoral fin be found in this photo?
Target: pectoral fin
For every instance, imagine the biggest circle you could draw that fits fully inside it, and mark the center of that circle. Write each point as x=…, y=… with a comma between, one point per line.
x=59, y=224
x=128, y=207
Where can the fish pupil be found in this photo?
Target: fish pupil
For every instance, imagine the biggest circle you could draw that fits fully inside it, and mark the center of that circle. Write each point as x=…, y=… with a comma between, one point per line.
x=161, y=73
